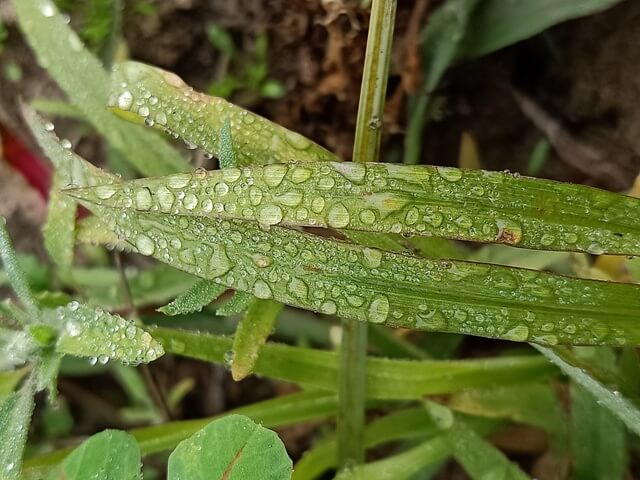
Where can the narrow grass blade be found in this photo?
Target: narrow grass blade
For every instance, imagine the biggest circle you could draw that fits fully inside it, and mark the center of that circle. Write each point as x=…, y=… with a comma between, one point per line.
x=233, y=447
x=336, y=278
x=252, y=332
x=598, y=442
x=86, y=83
x=386, y=379
x=620, y=406
x=13, y=272
x=108, y=455
x=15, y=417
x=142, y=93
x=88, y=332
x=227, y=151
x=275, y=412
x=498, y=23
x=198, y=296
x=480, y=459
x=482, y=206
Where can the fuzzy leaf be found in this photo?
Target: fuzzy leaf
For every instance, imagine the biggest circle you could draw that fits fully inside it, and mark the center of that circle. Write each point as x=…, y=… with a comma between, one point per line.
x=231, y=448
x=201, y=294
x=15, y=417
x=447, y=202
x=251, y=334
x=239, y=302
x=170, y=105
x=94, y=333
x=361, y=283
x=14, y=273
x=84, y=80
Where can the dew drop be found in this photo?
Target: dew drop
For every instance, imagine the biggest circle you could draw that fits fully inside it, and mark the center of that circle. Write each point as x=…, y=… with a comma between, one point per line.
x=450, y=174
x=190, y=201
x=262, y=290
x=165, y=199
x=221, y=189
x=178, y=181
x=518, y=334
x=145, y=245
x=298, y=288
x=317, y=204
x=47, y=9
x=329, y=307
x=368, y=217
x=372, y=257
x=105, y=192
x=326, y=183
x=412, y=216
x=300, y=174
x=143, y=111
x=338, y=216
x=143, y=199
x=379, y=309
x=255, y=196
x=270, y=215
x=274, y=174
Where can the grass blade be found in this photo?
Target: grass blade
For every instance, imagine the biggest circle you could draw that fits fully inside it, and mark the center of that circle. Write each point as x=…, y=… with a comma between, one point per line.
x=498, y=23
x=175, y=108
x=481, y=206
x=614, y=401
x=201, y=294
x=251, y=334
x=386, y=379
x=14, y=273
x=15, y=417
x=239, y=302
x=361, y=283
x=87, y=84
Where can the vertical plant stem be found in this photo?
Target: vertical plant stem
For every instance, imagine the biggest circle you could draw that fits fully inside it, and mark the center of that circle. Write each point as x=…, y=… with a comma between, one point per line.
x=352, y=388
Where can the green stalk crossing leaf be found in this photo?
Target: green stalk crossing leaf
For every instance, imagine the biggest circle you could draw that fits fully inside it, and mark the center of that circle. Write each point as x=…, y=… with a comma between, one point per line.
x=447, y=202
x=367, y=284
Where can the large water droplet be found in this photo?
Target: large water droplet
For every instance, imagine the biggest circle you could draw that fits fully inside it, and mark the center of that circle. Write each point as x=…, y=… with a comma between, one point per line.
x=379, y=309
x=518, y=334
x=270, y=215
x=165, y=199
x=145, y=245
x=143, y=199
x=261, y=289
x=125, y=100
x=338, y=216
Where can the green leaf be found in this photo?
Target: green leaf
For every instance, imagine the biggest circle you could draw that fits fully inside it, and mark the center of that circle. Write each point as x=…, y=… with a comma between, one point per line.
x=239, y=302
x=227, y=157
x=498, y=23
x=201, y=294
x=475, y=205
x=88, y=332
x=86, y=83
x=386, y=379
x=178, y=108
x=59, y=231
x=15, y=275
x=251, y=334
x=480, y=459
x=221, y=39
x=233, y=448
x=613, y=400
x=108, y=455
x=598, y=439
x=361, y=283
x=9, y=380
x=15, y=417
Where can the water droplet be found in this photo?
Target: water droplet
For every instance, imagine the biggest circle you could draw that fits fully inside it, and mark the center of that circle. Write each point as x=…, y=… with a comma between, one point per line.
x=595, y=249
x=65, y=143
x=165, y=199
x=143, y=111
x=105, y=192
x=338, y=216
x=274, y=174
x=270, y=215
x=47, y=9
x=161, y=118
x=518, y=334
x=368, y=217
x=143, y=199
x=145, y=245
x=298, y=288
x=296, y=140
x=329, y=307
x=317, y=204
x=372, y=257
x=379, y=309
x=125, y=100
x=261, y=289
x=178, y=181
x=326, y=183
x=300, y=174
x=412, y=216
x=449, y=174
x=351, y=170
x=190, y=201
x=49, y=127
x=290, y=199
x=221, y=189
x=547, y=239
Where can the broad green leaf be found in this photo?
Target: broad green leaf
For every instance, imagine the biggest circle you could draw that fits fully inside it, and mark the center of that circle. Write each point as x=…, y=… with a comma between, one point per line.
x=598, y=440
x=476, y=205
x=480, y=459
x=13, y=272
x=252, y=332
x=88, y=332
x=386, y=379
x=440, y=43
x=279, y=411
x=82, y=77
x=201, y=294
x=15, y=417
x=142, y=93
x=360, y=283
x=239, y=302
x=498, y=23
x=613, y=400
x=230, y=448
x=108, y=455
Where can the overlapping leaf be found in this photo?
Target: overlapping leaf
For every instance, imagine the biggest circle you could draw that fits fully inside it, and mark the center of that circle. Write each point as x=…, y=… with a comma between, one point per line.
x=412, y=200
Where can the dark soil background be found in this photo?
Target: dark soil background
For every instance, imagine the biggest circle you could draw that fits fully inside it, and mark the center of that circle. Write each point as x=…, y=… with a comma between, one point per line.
x=577, y=84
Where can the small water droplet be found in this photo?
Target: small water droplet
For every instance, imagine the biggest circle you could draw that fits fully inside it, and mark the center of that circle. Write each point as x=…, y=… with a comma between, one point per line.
x=270, y=215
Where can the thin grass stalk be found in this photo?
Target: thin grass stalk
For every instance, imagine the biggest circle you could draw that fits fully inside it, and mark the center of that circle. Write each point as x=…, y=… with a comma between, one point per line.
x=352, y=388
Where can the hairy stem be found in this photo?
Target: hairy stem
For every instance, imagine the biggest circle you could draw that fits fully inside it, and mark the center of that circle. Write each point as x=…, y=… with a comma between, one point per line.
x=352, y=388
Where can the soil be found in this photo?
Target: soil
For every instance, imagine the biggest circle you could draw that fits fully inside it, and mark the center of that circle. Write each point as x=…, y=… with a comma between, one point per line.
x=578, y=82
